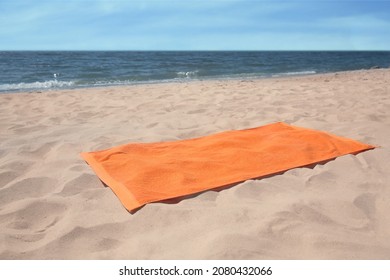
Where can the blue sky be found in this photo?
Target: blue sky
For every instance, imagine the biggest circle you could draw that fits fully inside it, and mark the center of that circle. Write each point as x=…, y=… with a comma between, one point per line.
x=194, y=25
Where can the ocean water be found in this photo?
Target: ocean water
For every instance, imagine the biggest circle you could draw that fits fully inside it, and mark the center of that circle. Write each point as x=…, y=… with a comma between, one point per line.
x=34, y=71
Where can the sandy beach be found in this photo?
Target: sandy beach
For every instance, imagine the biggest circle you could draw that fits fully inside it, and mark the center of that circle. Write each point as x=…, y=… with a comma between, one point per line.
x=52, y=205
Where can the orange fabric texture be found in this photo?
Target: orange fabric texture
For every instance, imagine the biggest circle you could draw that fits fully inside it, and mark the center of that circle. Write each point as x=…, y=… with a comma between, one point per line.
x=140, y=173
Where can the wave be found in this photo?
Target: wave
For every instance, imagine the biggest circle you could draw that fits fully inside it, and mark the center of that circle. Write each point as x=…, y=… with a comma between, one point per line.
x=36, y=85
x=180, y=76
x=188, y=74
x=308, y=72
x=253, y=75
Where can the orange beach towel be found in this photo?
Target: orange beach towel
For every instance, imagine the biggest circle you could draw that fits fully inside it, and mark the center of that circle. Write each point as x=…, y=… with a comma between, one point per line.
x=140, y=173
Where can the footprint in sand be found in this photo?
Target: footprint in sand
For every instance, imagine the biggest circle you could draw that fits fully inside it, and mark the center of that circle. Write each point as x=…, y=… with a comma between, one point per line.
x=309, y=214
x=80, y=184
x=18, y=166
x=27, y=188
x=151, y=125
x=37, y=217
x=299, y=215
x=3, y=153
x=327, y=178
x=38, y=152
x=366, y=203
x=79, y=167
x=199, y=111
x=253, y=190
x=283, y=222
x=30, y=129
x=6, y=177
x=94, y=239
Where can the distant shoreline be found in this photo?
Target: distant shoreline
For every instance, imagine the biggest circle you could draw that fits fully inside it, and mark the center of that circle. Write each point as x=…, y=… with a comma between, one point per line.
x=167, y=82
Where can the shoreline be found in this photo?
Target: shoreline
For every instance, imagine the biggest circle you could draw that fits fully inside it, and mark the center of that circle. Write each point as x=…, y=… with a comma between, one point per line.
x=52, y=205
x=185, y=80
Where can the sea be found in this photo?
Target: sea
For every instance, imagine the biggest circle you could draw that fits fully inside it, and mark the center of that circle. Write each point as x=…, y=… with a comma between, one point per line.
x=43, y=70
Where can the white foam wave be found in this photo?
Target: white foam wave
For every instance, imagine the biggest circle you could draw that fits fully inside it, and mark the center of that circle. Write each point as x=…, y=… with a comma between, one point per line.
x=112, y=83
x=309, y=72
x=36, y=85
x=188, y=74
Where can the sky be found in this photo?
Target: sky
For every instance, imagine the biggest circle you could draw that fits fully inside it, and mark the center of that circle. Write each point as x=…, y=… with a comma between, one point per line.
x=194, y=25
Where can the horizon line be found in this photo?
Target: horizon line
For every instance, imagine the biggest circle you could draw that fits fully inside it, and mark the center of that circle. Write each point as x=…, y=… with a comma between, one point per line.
x=189, y=50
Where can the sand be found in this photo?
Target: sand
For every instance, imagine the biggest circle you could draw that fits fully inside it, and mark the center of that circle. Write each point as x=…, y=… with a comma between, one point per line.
x=52, y=205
